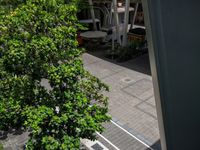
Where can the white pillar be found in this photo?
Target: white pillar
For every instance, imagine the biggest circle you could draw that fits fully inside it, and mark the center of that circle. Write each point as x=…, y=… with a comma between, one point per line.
x=126, y=20
x=116, y=18
x=92, y=15
x=135, y=14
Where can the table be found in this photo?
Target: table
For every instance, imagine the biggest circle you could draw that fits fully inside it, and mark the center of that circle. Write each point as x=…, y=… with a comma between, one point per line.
x=88, y=21
x=90, y=35
x=94, y=37
x=122, y=9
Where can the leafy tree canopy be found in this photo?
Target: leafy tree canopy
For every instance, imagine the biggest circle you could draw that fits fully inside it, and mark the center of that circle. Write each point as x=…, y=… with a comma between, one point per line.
x=38, y=43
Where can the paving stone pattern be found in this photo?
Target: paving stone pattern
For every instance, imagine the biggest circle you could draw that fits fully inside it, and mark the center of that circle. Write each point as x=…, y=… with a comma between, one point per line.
x=131, y=98
x=116, y=135
x=131, y=104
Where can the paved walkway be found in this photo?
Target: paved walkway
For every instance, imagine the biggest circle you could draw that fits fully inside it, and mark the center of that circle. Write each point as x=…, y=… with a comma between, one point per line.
x=131, y=105
x=131, y=99
x=121, y=139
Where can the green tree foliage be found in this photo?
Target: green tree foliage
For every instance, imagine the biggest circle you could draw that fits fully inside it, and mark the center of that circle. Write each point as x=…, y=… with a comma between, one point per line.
x=1, y=146
x=37, y=43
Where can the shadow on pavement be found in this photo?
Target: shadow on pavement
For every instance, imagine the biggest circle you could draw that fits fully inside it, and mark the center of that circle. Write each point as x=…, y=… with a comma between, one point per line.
x=156, y=146
x=140, y=63
x=4, y=134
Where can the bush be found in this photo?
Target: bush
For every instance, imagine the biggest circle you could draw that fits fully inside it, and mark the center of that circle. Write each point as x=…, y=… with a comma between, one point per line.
x=1, y=146
x=37, y=43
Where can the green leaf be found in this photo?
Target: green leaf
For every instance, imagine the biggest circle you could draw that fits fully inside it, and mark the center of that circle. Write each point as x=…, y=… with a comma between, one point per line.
x=43, y=84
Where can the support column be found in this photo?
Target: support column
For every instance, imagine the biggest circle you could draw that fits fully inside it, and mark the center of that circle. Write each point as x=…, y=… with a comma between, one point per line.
x=92, y=15
x=135, y=14
x=126, y=21
x=116, y=18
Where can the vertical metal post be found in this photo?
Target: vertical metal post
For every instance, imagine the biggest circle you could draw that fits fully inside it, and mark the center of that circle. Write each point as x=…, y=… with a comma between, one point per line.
x=126, y=21
x=116, y=18
x=92, y=15
x=135, y=14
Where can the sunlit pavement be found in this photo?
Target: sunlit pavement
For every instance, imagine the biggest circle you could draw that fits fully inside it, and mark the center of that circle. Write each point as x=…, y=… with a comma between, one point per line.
x=131, y=104
x=131, y=98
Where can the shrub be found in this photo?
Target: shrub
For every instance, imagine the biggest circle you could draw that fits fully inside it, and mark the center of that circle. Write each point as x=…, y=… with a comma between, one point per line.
x=38, y=43
x=1, y=146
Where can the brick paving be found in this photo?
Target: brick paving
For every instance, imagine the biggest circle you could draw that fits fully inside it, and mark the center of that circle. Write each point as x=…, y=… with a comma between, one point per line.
x=131, y=98
x=121, y=139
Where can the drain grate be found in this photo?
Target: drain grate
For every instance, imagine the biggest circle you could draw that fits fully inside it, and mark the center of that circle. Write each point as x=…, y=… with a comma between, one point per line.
x=127, y=80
